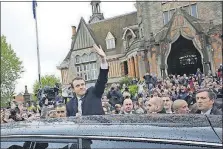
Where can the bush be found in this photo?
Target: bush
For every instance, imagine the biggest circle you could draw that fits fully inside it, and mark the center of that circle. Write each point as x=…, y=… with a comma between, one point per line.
x=133, y=89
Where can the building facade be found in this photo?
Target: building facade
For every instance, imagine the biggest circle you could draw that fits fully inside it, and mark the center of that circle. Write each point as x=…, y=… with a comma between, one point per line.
x=160, y=38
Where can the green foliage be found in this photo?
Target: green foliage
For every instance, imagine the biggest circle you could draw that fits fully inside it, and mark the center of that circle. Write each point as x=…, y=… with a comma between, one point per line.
x=126, y=80
x=47, y=80
x=11, y=70
x=133, y=89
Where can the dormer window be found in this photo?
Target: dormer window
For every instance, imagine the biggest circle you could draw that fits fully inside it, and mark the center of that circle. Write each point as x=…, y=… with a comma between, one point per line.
x=110, y=41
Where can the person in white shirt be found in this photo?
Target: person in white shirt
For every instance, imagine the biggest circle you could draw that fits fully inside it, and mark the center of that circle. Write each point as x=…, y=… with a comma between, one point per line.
x=88, y=101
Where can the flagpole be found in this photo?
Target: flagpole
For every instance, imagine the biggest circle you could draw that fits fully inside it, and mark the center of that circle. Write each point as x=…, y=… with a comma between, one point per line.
x=38, y=55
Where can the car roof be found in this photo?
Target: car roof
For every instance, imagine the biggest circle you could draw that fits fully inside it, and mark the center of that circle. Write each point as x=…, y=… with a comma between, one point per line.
x=161, y=126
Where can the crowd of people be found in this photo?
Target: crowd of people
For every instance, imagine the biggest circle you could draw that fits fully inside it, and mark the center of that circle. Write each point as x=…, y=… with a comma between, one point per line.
x=197, y=94
x=176, y=94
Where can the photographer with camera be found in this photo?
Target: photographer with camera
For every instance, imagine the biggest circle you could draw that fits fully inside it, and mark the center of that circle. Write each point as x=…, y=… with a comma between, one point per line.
x=88, y=101
x=114, y=96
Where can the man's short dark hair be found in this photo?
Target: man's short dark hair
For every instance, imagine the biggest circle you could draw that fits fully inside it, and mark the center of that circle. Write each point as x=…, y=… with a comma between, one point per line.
x=211, y=94
x=76, y=78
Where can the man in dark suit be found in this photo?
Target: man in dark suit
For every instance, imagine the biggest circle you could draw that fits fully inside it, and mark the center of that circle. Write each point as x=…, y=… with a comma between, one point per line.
x=88, y=101
x=205, y=99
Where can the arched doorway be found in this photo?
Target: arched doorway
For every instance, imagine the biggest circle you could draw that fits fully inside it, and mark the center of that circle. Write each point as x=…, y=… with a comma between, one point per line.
x=184, y=58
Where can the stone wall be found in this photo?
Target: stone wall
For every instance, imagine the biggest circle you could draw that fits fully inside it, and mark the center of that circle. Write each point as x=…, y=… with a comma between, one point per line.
x=210, y=11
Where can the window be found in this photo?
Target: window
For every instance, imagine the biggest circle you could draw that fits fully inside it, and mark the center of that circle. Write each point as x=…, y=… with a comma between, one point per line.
x=92, y=57
x=85, y=58
x=42, y=145
x=78, y=69
x=87, y=70
x=77, y=59
x=135, y=144
x=165, y=17
x=93, y=71
x=110, y=41
x=190, y=9
x=194, y=10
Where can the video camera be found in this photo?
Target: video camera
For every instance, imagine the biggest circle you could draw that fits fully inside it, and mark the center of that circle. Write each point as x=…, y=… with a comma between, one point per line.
x=49, y=93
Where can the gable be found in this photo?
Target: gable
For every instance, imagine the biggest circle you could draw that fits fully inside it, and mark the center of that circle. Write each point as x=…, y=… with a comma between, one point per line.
x=180, y=23
x=109, y=36
x=83, y=38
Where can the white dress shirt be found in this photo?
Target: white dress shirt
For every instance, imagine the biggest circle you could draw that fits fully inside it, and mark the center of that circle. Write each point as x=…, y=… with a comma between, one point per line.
x=104, y=65
x=208, y=112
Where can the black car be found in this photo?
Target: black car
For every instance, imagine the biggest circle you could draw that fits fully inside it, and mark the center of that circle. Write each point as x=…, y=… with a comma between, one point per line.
x=115, y=131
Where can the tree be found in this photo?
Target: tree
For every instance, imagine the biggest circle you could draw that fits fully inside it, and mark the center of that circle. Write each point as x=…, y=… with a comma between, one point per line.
x=126, y=80
x=47, y=80
x=11, y=70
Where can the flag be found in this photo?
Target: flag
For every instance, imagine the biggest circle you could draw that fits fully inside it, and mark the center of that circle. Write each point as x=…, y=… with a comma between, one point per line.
x=34, y=8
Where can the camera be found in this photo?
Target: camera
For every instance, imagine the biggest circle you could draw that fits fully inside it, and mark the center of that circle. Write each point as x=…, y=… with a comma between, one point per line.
x=49, y=93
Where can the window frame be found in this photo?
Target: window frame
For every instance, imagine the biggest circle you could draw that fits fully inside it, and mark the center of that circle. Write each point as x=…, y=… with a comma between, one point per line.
x=195, y=4
x=164, y=17
x=110, y=43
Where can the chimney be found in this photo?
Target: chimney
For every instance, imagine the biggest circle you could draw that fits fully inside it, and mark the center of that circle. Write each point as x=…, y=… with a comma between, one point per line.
x=73, y=31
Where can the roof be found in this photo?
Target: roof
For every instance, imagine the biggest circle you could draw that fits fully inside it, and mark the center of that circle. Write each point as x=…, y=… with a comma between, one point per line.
x=198, y=24
x=184, y=127
x=99, y=30
x=114, y=25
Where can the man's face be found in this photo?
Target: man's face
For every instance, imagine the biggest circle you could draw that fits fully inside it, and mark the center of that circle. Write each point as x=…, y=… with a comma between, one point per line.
x=53, y=114
x=167, y=102
x=61, y=112
x=79, y=87
x=150, y=107
x=128, y=106
x=118, y=108
x=183, y=109
x=203, y=101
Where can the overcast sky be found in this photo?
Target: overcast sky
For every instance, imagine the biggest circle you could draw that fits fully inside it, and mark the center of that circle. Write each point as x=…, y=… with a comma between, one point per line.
x=54, y=27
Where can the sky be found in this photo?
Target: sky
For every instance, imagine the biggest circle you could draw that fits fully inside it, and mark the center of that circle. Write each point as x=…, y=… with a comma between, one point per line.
x=54, y=21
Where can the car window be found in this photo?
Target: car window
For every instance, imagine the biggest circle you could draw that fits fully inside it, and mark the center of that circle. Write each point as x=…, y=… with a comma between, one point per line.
x=38, y=145
x=133, y=144
x=13, y=145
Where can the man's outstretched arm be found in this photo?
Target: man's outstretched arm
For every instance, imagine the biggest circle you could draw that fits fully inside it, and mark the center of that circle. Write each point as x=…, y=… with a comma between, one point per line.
x=103, y=74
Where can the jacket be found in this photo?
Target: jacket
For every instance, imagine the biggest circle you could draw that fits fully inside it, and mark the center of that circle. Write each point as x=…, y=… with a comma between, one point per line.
x=214, y=111
x=91, y=102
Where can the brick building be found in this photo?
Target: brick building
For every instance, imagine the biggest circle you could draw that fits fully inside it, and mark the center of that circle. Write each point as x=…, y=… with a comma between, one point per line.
x=160, y=38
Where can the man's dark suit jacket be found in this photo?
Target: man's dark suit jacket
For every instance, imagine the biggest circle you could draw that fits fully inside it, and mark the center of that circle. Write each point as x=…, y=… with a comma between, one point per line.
x=91, y=102
x=214, y=111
